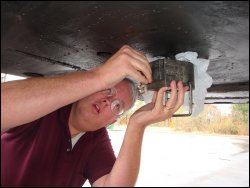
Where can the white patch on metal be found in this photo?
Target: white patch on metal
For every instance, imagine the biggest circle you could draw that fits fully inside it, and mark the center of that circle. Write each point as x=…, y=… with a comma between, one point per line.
x=202, y=80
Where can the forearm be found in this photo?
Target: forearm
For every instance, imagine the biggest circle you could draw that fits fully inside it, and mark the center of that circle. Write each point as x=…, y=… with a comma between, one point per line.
x=26, y=100
x=126, y=167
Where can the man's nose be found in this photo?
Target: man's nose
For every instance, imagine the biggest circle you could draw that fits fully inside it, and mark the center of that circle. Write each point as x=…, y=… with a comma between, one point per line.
x=106, y=102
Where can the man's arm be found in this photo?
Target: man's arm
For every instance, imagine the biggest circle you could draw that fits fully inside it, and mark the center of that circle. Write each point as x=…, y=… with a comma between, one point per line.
x=26, y=100
x=126, y=167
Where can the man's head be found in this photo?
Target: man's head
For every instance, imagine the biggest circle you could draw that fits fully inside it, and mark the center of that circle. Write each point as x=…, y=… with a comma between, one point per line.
x=104, y=107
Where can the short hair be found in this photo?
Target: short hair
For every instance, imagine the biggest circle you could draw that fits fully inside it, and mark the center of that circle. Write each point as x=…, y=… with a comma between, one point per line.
x=134, y=90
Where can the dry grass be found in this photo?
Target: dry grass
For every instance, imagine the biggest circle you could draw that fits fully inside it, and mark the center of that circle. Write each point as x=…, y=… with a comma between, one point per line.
x=209, y=121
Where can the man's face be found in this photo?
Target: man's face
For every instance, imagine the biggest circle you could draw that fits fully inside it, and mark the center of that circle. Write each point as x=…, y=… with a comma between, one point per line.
x=94, y=112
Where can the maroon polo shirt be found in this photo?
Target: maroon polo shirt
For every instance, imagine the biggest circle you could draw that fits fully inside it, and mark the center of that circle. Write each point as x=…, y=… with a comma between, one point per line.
x=39, y=154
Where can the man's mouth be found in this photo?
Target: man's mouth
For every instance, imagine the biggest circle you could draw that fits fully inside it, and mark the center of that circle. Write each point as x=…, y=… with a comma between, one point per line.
x=96, y=108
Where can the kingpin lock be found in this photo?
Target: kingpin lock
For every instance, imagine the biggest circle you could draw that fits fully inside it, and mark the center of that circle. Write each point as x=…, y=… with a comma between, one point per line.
x=164, y=71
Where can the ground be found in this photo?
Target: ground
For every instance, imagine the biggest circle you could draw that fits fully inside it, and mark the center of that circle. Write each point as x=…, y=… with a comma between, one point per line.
x=190, y=159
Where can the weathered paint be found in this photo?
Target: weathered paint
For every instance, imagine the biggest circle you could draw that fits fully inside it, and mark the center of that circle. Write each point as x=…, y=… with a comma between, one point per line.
x=49, y=37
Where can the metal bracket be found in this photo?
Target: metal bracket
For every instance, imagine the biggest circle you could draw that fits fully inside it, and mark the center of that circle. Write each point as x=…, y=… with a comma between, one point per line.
x=164, y=71
x=190, y=102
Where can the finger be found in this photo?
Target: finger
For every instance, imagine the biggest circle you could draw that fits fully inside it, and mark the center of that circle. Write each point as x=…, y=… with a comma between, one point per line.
x=143, y=58
x=139, y=66
x=124, y=48
x=137, y=55
x=186, y=88
x=134, y=62
x=173, y=97
x=154, y=97
x=144, y=69
x=132, y=52
x=159, y=99
x=137, y=76
x=181, y=94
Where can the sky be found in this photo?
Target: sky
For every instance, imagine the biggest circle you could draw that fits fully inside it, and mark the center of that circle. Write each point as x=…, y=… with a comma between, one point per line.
x=10, y=77
x=225, y=109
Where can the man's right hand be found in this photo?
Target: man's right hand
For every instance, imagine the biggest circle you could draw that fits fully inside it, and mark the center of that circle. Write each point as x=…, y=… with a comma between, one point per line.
x=46, y=94
x=126, y=62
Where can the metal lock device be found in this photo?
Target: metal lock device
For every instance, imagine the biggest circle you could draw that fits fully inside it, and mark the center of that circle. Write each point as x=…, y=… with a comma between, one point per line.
x=164, y=71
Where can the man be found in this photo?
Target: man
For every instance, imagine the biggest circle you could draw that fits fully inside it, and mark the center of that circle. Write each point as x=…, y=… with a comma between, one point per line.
x=54, y=127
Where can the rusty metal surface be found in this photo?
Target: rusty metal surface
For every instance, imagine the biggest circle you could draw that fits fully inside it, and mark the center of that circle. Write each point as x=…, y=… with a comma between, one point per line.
x=165, y=70
x=42, y=38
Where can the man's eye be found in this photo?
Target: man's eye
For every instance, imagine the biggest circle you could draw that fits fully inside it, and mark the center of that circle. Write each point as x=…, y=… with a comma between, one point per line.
x=109, y=92
x=117, y=106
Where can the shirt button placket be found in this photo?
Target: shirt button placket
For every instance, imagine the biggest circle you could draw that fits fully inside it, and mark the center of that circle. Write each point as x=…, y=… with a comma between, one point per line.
x=69, y=146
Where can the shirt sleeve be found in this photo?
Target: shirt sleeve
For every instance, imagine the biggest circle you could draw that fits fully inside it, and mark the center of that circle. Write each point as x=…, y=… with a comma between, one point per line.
x=102, y=158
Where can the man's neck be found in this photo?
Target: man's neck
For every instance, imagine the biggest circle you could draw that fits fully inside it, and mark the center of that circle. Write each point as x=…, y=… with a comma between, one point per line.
x=73, y=131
